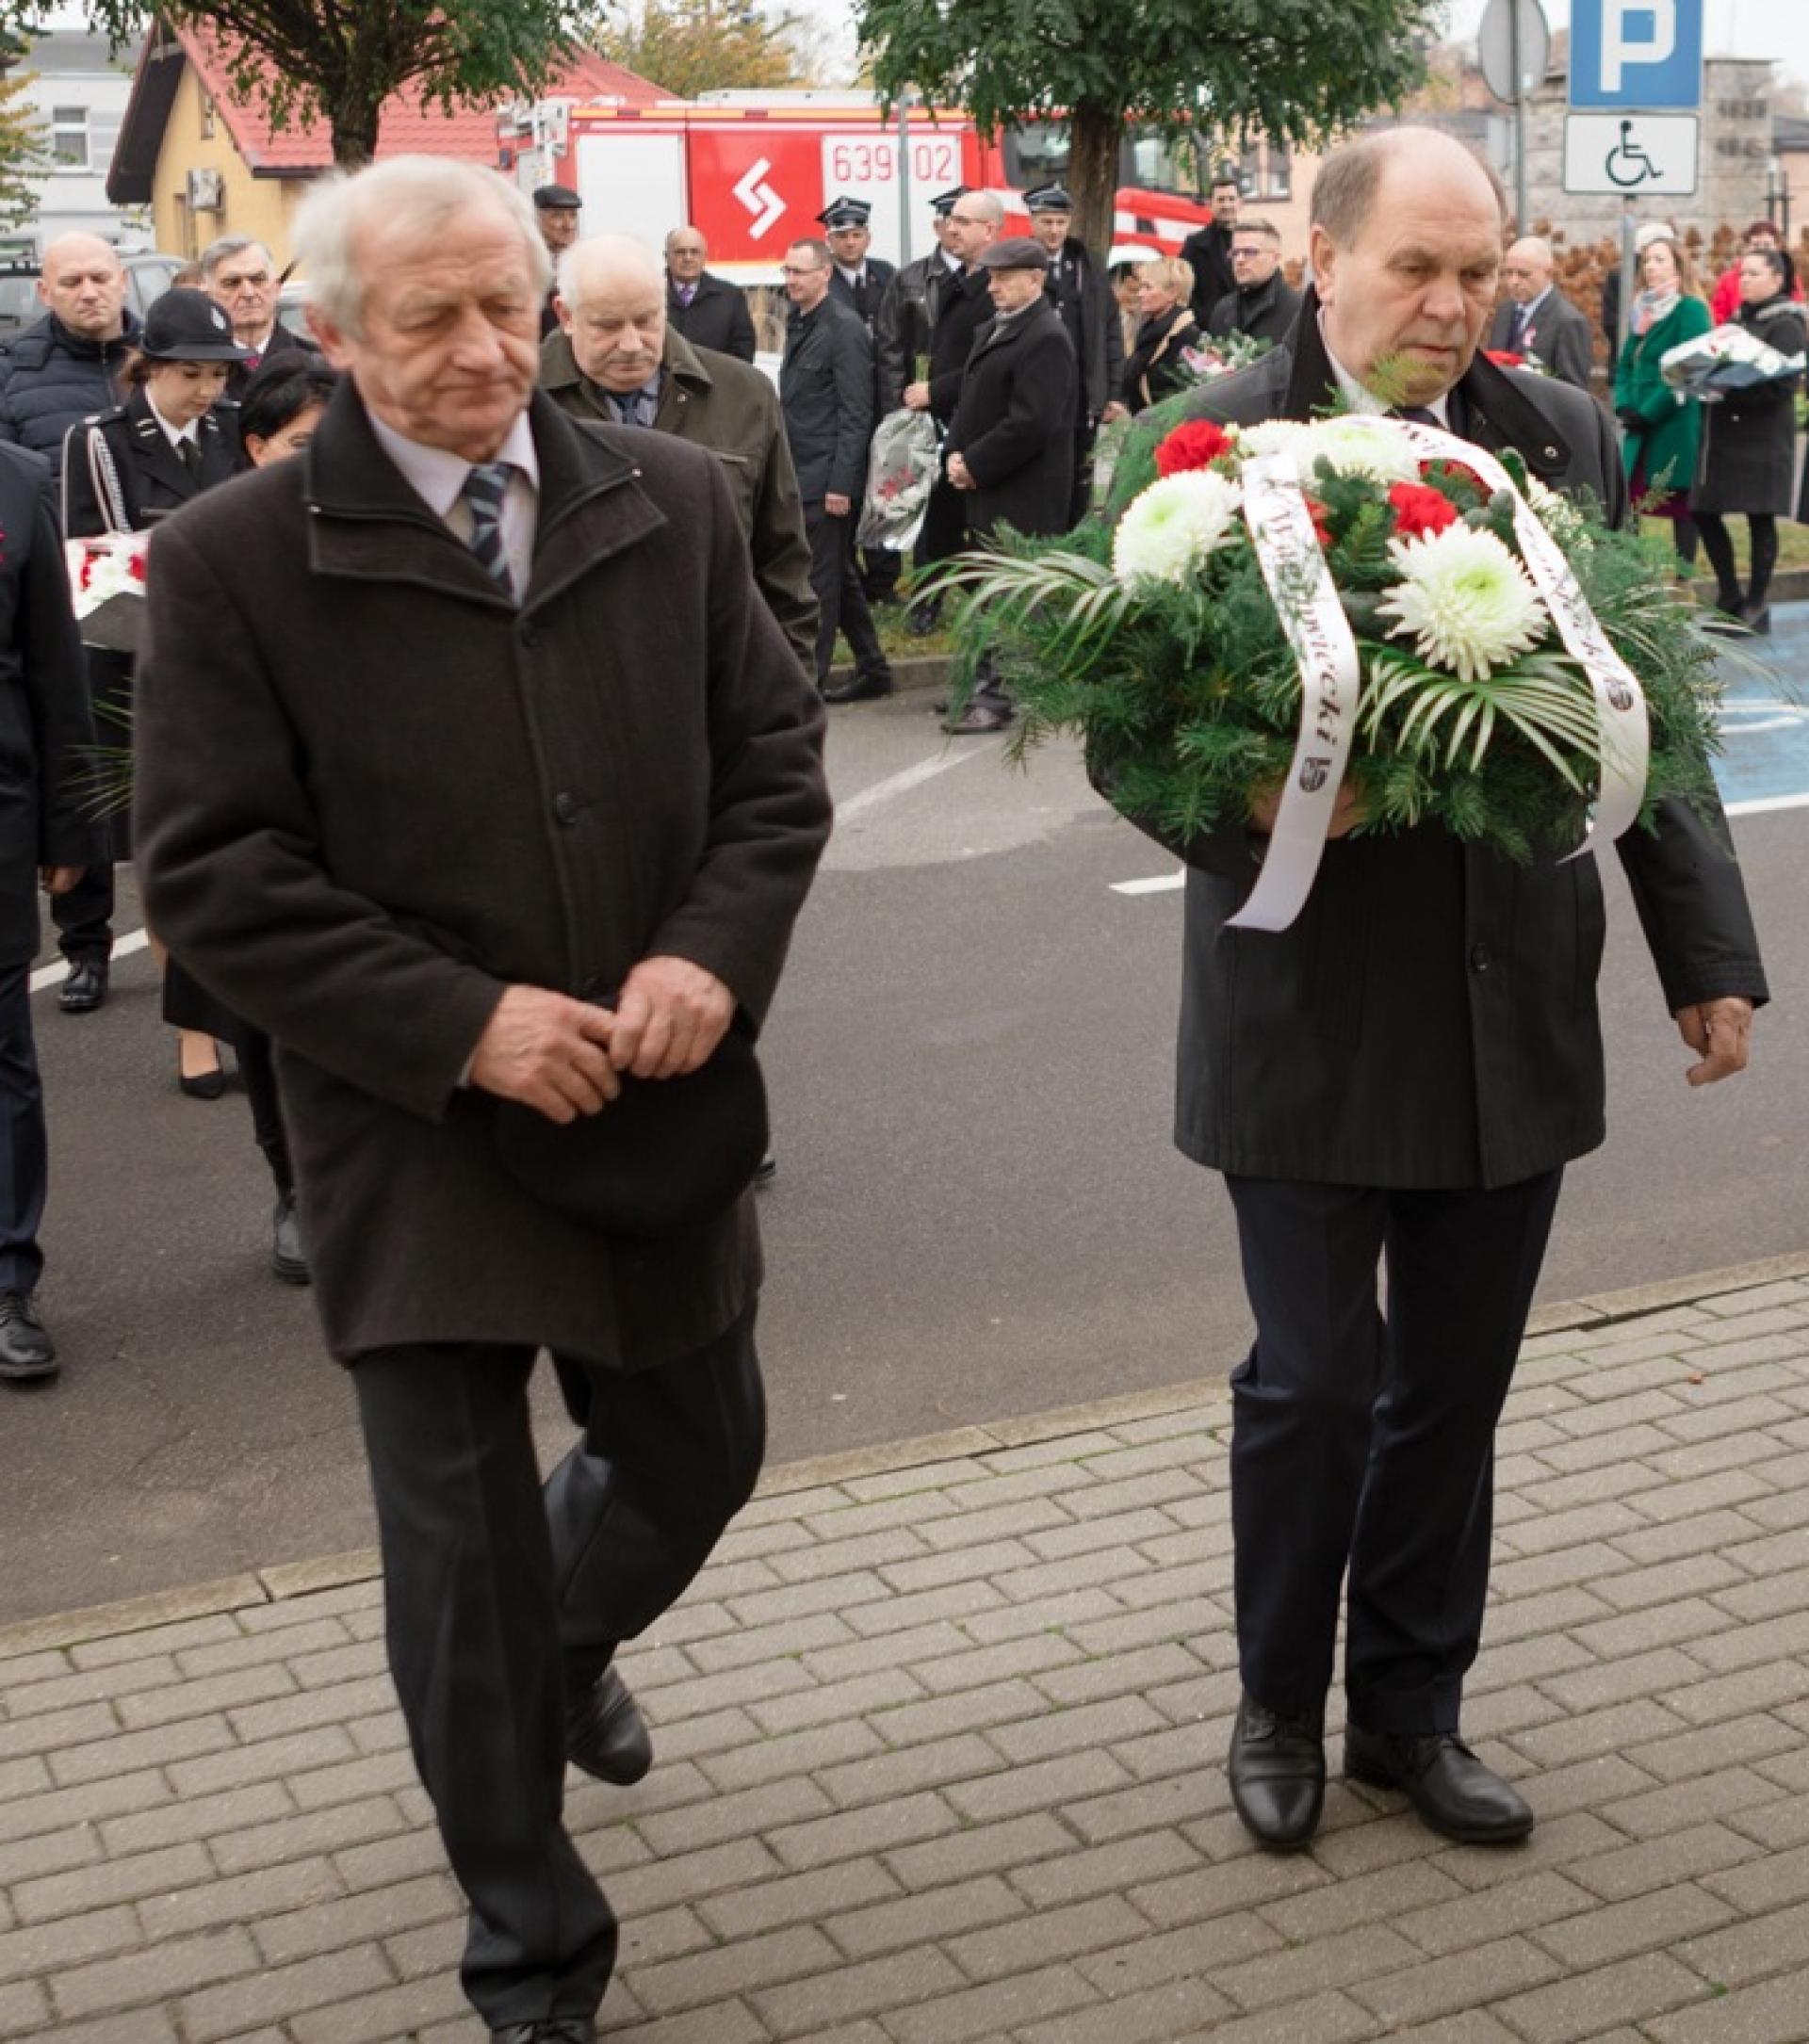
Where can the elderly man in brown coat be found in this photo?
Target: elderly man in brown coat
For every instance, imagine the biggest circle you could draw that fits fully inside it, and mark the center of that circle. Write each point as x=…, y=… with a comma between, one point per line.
x=617, y=359
x=474, y=770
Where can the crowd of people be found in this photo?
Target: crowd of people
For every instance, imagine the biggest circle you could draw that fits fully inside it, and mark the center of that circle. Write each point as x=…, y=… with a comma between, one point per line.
x=560, y=578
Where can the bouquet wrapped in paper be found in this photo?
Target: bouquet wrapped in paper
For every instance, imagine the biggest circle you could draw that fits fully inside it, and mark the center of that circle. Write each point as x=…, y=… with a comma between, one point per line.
x=106, y=585
x=1270, y=613
x=1218, y=355
x=1724, y=360
x=902, y=468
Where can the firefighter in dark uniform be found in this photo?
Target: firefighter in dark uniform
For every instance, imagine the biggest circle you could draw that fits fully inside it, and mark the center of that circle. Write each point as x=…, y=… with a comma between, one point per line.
x=859, y=281
x=1081, y=296
x=123, y=470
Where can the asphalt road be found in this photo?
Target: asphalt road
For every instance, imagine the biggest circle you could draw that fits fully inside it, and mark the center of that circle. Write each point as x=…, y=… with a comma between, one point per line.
x=978, y=1211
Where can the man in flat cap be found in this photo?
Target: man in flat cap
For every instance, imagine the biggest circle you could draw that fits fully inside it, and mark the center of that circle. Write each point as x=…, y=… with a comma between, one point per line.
x=556, y=211
x=1078, y=290
x=1011, y=442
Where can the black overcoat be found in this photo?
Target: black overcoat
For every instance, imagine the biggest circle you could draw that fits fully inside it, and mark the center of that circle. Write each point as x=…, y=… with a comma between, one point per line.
x=901, y=327
x=1081, y=296
x=153, y=480
x=46, y=729
x=1430, y=1019
x=1014, y=425
x=374, y=792
x=826, y=393
x=716, y=318
x=1748, y=460
x=1265, y=314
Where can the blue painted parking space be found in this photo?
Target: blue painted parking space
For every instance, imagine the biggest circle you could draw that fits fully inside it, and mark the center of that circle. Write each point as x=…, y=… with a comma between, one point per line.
x=1765, y=717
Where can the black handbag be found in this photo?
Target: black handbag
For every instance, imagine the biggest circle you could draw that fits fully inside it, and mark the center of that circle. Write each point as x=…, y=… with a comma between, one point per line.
x=667, y=1156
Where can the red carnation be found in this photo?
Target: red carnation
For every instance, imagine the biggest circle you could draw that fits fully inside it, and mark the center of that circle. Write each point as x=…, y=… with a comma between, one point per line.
x=1419, y=510
x=1195, y=444
x=1321, y=516
x=1505, y=358
x=135, y=567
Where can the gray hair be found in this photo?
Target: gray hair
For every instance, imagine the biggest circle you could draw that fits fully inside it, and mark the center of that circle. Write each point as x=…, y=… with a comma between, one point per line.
x=587, y=263
x=228, y=246
x=1344, y=190
x=425, y=193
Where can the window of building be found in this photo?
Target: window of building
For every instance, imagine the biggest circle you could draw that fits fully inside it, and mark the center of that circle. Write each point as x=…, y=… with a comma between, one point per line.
x=69, y=137
x=207, y=117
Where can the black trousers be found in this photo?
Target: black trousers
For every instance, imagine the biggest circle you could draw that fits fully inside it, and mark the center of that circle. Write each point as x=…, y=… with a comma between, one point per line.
x=502, y=1599
x=841, y=603
x=84, y=916
x=1366, y=1444
x=1717, y=543
x=24, y=1157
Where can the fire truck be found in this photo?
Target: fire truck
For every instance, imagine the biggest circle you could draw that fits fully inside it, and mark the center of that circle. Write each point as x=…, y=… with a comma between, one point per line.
x=752, y=170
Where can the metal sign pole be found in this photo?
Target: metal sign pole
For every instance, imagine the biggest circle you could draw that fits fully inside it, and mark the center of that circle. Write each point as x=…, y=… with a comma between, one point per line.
x=903, y=178
x=1522, y=225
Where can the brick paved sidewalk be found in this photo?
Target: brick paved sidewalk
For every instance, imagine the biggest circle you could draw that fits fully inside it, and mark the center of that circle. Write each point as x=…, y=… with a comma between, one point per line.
x=939, y=1738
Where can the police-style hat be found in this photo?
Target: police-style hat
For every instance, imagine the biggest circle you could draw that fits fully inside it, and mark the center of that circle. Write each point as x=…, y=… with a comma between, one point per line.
x=840, y=212
x=1019, y=251
x=556, y=199
x=187, y=326
x=1049, y=199
x=944, y=202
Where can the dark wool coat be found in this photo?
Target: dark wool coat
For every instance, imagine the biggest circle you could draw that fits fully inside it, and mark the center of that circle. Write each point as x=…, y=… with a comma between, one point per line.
x=730, y=407
x=1558, y=334
x=285, y=345
x=51, y=380
x=152, y=478
x=1154, y=369
x=1265, y=314
x=1081, y=296
x=1015, y=424
x=716, y=318
x=826, y=390
x=866, y=297
x=1749, y=457
x=966, y=307
x=907, y=319
x=1430, y=1019
x=46, y=726
x=374, y=792
x=1208, y=253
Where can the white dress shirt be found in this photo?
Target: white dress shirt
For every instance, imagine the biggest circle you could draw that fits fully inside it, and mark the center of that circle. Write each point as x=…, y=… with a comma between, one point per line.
x=1360, y=399
x=175, y=435
x=437, y=478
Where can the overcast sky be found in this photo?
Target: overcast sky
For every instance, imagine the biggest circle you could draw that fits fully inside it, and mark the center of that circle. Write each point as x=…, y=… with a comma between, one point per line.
x=1777, y=28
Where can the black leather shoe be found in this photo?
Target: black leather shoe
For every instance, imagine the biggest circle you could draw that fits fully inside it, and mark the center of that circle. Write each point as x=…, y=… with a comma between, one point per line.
x=86, y=987
x=549, y=2030
x=288, y=1259
x=979, y=716
x=860, y=688
x=1451, y=1791
x=26, y=1347
x=605, y=1733
x=1277, y=1774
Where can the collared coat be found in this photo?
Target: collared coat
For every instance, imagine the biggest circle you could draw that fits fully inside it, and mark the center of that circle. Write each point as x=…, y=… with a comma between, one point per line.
x=827, y=392
x=1081, y=296
x=1429, y=1020
x=1207, y=252
x=1664, y=446
x=730, y=407
x=154, y=481
x=901, y=327
x=374, y=792
x=1749, y=454
x=1558, y=333
x=866, y=297
x=284, y=345
x=1014, y=426
x=1266, y=314
x=46, y=728
x=716, y=318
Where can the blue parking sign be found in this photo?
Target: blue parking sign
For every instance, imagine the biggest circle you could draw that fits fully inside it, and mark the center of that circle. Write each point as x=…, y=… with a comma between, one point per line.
x=1645, y=54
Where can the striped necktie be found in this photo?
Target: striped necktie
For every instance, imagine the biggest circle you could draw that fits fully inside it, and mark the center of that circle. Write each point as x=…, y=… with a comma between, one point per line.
x=484, y=489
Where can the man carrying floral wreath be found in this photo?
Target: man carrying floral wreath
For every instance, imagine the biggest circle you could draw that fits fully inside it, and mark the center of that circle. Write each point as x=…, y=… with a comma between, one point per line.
x=1401, y=1075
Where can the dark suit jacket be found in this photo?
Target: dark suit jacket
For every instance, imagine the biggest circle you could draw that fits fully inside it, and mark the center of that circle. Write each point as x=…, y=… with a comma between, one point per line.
x=1430, y=1019
x=1208, y=253
x=866, y=297
x=152, y=480
x=731, y=409
x=1558, y=336
x=826, y=390
x=46, y=726
x=285, y=344
x=1015, y=424
x=374, y=792
x=716, y=318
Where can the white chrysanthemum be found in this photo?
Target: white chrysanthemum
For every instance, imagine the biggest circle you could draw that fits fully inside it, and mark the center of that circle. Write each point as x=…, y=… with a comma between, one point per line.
x=1274, y=436
x=1172, y=526
x=1465, y=601
x=1558, y=515
x=1357, y=445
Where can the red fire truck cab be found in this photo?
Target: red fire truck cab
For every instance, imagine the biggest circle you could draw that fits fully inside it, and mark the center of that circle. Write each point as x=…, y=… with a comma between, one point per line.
x=752, y=170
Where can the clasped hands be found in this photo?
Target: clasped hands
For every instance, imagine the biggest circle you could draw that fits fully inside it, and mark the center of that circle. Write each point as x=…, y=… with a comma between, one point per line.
x=1719, y=1031
x=566, y=1058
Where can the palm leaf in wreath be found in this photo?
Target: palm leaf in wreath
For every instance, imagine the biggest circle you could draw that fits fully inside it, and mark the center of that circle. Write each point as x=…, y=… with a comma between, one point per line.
x=1542, y=698
x=103, y=789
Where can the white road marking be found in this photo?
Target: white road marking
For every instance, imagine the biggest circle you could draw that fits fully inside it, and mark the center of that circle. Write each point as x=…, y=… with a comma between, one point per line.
x=1760, y=804
x=1162, y=883
x=903, y=782
x=133, y=940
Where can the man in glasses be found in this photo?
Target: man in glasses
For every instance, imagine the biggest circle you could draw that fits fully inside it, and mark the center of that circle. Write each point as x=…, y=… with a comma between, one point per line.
x=1261, y=303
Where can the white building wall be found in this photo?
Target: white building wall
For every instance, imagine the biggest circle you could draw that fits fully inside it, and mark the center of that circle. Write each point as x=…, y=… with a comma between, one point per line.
x=79, y=93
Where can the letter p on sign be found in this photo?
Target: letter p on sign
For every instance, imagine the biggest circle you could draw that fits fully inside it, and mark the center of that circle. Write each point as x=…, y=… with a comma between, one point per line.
x=1634, y=32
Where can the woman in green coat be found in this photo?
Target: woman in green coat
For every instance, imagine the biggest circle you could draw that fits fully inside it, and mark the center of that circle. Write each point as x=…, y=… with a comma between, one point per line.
x=1664, y=429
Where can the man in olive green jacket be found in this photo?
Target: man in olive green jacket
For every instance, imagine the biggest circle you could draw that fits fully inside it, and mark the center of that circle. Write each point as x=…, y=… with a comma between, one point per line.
x=614, y=359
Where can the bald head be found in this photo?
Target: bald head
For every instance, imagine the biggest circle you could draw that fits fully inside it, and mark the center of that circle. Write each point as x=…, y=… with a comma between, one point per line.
x=1526, y=270
x=612, y=304
x=84, y=285
x=1406, y=256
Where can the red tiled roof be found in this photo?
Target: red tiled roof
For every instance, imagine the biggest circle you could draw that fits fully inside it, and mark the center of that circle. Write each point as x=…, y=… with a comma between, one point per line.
x=410, y=126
